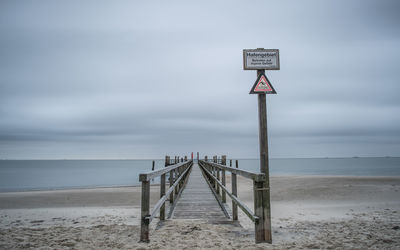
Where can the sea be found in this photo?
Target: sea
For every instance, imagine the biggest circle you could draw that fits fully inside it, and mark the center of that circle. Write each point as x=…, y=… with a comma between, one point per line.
x=29, y=175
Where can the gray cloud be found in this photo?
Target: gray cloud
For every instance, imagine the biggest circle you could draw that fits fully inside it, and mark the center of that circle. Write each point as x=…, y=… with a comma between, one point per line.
x=97, y=79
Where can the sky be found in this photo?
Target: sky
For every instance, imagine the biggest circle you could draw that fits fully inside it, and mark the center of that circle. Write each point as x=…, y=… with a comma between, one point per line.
x=142, y=79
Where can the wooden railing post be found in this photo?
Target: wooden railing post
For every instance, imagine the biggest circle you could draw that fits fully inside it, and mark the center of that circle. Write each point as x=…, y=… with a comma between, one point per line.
x=162, y=190
x=205, y=158
x=176, y=177
x=259, y=211
x=218, y=178
x=171, y=183
x=230, y=163
x=234, y=192
x=237, y=164
x=223, y=179
x=145, y=211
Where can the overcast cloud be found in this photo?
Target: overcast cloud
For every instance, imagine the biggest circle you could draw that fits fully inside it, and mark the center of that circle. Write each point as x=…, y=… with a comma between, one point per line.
x=141, y=79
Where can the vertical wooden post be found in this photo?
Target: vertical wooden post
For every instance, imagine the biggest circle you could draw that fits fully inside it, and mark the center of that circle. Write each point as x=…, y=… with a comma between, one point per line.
x=198, y=157
x=218, y=178
x=176, y=177
x=259, y=211
x=237, y=164
x=234, y=192
x=171, y=182
x=145, y=211
x=152, y=168
x=162, y=193
x=215, y=171
x=230, y=163
x=264, y=164
x=223, y=179
x=205, y=158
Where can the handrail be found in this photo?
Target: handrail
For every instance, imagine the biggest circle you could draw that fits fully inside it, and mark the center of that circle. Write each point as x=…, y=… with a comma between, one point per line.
x=164, y=197
x=178, y=174
x=216, y=177
x=243, y=206
x=152, y=174
x=248, y=174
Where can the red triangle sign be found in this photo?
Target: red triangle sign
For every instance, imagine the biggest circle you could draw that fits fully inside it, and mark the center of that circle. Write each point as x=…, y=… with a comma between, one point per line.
x=262, y=86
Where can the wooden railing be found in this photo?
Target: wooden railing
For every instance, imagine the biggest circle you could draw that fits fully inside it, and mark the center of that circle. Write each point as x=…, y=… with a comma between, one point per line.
x=215, y=173
x=178, y=174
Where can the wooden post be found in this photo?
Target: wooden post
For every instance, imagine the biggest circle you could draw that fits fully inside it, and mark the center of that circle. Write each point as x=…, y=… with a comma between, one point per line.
x=205, y=158
x=218, y=178
x=176, y=177
x=171, y=182
x=264, y=164
x=237, y=163
x=198, y=158
x=230, y=163
x=234, y=192
x=145, y=211
x=162, y=191
x=223, y=179
x=152, y=168
x=259, y=211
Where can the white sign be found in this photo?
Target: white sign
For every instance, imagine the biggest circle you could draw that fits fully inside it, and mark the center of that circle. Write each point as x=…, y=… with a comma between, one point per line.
x=261, y=59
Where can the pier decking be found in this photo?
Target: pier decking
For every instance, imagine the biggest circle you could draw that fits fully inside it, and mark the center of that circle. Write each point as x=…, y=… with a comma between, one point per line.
x=198, y=201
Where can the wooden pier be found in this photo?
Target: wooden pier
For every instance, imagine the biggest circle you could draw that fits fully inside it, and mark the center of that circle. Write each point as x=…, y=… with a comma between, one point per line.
x=198, y=191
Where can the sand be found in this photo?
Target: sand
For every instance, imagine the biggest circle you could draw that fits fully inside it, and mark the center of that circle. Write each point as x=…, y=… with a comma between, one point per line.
x=307, y=213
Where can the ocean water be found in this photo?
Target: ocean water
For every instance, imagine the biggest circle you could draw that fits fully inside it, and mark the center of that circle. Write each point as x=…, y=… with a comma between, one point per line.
x=21, y=175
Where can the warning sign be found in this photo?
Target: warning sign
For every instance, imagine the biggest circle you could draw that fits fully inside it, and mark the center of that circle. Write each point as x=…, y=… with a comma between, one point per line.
x=262, y=86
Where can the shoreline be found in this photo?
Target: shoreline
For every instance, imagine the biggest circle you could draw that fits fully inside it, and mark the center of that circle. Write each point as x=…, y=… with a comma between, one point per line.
x=157, y=184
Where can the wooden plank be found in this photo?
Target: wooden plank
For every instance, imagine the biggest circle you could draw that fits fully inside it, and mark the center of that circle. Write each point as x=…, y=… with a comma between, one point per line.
x=197, y=200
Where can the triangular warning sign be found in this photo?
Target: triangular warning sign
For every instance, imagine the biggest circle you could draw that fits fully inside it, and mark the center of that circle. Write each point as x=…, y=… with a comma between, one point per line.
x=262, y=86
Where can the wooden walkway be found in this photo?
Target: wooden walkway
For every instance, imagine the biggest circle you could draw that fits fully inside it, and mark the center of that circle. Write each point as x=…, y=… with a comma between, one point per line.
x=198, y=201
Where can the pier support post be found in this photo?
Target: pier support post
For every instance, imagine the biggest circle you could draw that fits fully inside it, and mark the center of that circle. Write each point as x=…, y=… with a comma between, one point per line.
x=223, y=179
x=171, y=182
x=145, y=211
x=234, y=192
x=259, y=211
x=162, y=193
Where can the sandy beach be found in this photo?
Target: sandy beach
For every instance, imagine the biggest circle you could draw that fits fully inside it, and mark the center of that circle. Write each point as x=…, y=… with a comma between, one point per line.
x=307, y=213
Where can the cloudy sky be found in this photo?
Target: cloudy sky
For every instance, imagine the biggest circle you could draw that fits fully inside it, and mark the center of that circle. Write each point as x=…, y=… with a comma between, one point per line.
x=141, y=79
